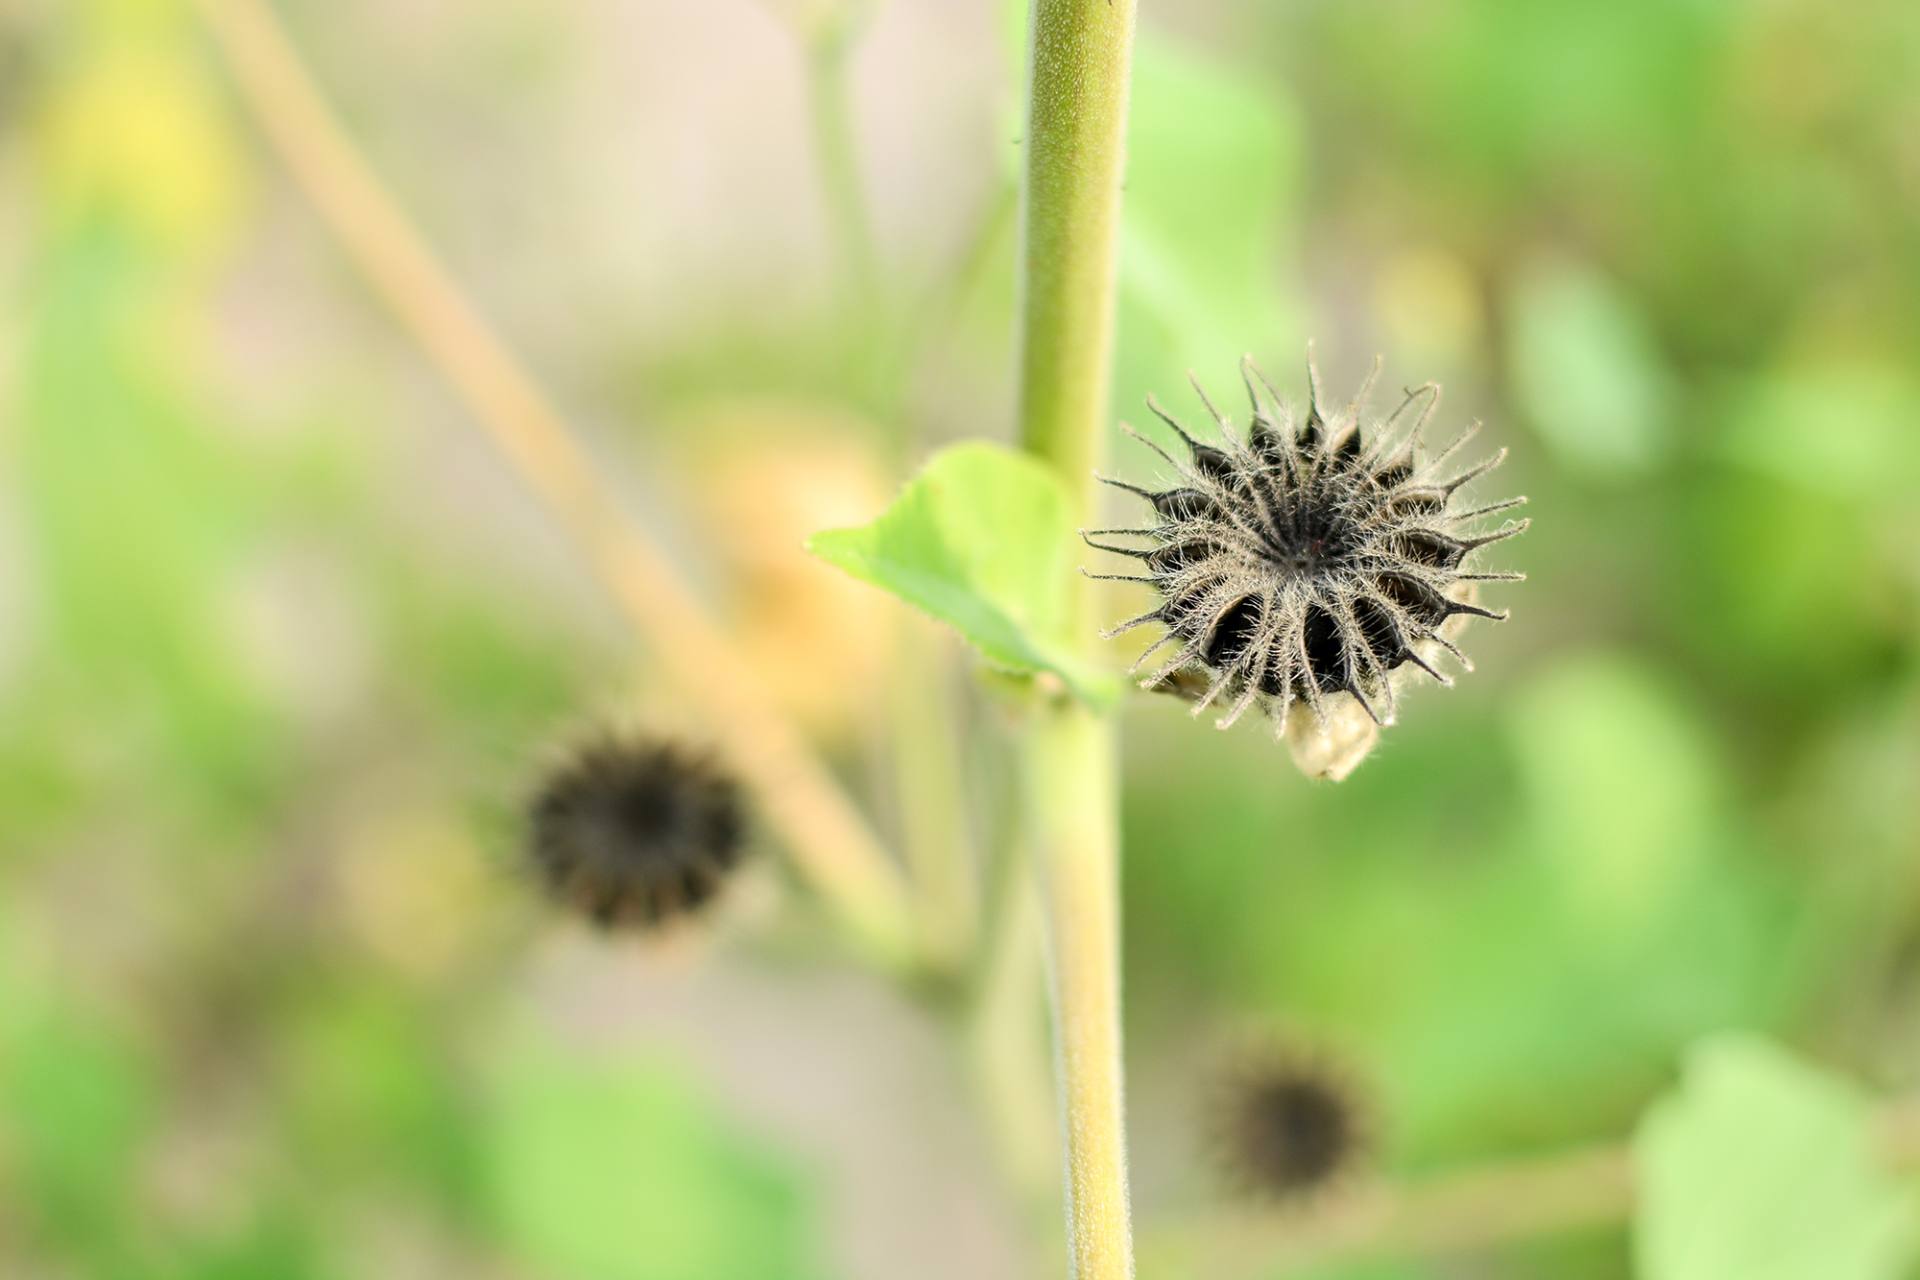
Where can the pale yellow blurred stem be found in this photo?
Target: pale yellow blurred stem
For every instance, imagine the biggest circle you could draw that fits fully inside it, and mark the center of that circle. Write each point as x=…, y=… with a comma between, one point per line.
x=1470, y=1211
x=930, y=787
x=1081, y=58
x=1459, y=1213
x=828, y=839
x=1007, y=1037
x=837, y=155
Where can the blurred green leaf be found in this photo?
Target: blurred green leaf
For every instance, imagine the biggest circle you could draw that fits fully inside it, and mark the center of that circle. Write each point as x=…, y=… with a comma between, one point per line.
x=78, y=1101
x=621, y=1171
x=1781, y=576
x=279, y=1246
x=371, y=1093
x=1586, y=370
x=1621, y=785
x=134, y=508
x=1846, y=429
x=1761, y=1168
x=1533, y=85
x=1212, y=157
x=981, y=539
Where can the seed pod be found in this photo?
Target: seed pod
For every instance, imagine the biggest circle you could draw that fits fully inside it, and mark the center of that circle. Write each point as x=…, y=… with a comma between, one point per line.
x=632, y=830
x=1309, y=565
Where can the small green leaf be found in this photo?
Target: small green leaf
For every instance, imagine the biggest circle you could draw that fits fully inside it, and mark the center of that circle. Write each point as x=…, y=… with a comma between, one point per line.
x=983, y=540
x=1760, y=1168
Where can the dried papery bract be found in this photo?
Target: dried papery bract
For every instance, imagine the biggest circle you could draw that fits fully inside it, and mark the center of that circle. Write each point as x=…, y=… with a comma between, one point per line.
x=631, y=830
x=1309, y=567
x=1334, y=747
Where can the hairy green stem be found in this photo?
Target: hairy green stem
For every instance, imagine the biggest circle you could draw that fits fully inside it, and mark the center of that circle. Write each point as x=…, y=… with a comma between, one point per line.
x=1070, y=774
x=1076, y=131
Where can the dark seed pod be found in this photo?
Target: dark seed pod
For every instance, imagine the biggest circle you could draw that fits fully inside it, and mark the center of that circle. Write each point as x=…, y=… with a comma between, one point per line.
x=1290, y=1125
x=1311, y=561
x=631, y=830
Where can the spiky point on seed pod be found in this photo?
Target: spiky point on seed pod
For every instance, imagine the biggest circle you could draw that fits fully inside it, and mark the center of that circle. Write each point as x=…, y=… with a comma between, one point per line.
x=1309, y=567
x=632, y=831
x=1290, y=1125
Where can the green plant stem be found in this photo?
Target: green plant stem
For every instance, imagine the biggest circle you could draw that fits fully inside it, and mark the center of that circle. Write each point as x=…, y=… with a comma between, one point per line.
x=837, y=155
x=1076, y=131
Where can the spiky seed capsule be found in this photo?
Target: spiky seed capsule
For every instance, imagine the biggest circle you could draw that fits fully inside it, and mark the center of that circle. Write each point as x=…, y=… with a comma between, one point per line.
x=633, y=830
x=1309, y=560
x=1291, y=1125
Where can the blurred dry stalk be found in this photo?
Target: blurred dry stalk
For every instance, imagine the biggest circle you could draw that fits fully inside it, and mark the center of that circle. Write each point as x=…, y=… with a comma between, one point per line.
x=1459, y=1213
x=1453, y=1214
x=828, y=838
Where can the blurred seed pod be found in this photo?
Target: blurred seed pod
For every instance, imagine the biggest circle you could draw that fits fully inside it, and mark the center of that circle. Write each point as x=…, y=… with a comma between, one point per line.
x=1289, y=1125
x=632, y=831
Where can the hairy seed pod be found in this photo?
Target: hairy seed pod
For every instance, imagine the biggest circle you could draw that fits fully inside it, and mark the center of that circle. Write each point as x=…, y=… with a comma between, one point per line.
x=1308, y=563
x=631, y=830
x=1290, y=1125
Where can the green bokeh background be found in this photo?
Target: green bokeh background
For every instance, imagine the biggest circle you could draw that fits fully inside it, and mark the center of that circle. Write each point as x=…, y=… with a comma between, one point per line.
x=282, y=642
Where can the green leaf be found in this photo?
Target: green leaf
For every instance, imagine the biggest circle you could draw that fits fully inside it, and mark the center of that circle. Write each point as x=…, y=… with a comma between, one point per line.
x=1760, y=1168
x=621, y=1170
x=79, y=1100
x=1587, y=731
x=983, y=540
x=1587, y=372
x=1843, y=428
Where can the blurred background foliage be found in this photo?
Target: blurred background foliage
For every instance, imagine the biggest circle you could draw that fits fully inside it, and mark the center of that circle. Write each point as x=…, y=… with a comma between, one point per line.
x=281, y=642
